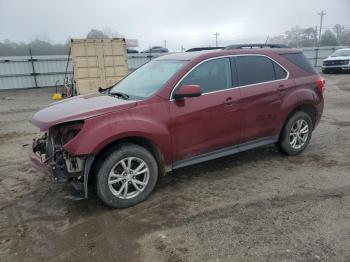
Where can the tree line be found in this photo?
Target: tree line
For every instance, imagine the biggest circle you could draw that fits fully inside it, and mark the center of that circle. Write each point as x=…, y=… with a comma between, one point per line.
x=297, y=36
x=339, y=35
x=44, y=47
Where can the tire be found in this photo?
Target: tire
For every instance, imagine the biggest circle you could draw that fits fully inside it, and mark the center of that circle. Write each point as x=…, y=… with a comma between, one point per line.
x=115, y=178
x=325, y=71
x=292, y=141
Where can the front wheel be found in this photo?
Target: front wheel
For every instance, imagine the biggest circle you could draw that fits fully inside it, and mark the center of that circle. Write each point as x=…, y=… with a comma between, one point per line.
x=296, y=134
x=126, y=176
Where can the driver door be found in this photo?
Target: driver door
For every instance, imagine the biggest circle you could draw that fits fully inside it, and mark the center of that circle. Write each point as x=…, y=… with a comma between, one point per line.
x=211, y=121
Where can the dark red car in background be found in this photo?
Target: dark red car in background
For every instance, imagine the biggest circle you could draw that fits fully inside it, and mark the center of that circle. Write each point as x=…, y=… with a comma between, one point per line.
x=178, y=110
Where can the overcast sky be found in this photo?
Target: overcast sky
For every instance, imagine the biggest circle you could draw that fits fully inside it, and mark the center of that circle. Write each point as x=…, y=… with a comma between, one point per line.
x=181, y=22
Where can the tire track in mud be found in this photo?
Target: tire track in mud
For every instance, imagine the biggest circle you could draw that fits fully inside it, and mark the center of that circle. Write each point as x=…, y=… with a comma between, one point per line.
x=120, y=240
x=4, y=137
x=235, y=210
x=22, y=110
x=247, y=218
x=25, y=215
x=14, y=221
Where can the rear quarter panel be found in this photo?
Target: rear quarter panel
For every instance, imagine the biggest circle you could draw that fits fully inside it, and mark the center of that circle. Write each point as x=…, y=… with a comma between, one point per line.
x=303, y=92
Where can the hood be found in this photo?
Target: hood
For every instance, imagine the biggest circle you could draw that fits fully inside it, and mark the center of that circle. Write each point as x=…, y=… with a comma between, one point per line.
x=335, y=58
x=79, y=108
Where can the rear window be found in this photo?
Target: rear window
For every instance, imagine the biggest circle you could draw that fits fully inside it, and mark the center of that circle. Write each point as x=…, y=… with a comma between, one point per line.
x=257, y=69
x=300, y=60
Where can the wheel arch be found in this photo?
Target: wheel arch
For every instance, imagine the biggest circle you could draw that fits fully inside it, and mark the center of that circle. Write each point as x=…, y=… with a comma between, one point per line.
x=146, y=143
x=304, y=107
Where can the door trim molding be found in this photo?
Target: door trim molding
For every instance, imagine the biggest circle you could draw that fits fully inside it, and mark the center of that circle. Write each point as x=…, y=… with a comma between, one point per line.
x=225, y=152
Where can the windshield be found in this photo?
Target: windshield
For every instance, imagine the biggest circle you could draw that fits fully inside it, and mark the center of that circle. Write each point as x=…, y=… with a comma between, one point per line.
x=341, y=53
x=148, y=79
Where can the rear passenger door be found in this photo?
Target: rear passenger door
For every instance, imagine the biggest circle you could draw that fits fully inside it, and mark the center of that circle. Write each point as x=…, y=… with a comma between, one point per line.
x=262, y=82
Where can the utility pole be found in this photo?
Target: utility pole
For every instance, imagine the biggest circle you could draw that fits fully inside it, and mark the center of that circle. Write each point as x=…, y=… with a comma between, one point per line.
x=165, y=41
x=315, y=40
x=216, y=38
x=323, y=13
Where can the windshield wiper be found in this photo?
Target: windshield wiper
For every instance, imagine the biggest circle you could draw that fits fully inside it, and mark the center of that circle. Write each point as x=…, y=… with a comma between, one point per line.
x=120, y=94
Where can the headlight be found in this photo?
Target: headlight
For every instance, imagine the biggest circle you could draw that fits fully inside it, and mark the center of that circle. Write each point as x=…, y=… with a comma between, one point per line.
x=59, y=135
x=70, y=130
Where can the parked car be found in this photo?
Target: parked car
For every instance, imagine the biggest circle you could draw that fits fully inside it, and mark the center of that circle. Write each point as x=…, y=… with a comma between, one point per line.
x=175, y=111
x=131, y=51
x=156, y=49
x=338, y=61
x=194, y=49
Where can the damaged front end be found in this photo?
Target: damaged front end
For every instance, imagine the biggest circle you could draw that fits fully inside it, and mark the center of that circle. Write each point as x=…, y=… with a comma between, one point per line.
x=49, y=155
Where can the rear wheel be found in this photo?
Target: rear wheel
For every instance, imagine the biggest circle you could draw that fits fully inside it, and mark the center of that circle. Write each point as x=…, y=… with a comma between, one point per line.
x=296, y=134
x=127, y=175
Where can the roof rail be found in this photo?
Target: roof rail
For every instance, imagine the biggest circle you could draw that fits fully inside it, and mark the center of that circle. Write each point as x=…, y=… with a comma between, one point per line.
x=243, y=46
x=203, y=48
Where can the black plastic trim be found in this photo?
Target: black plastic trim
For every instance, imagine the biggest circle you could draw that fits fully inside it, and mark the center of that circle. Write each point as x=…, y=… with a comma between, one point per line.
x=225, y=151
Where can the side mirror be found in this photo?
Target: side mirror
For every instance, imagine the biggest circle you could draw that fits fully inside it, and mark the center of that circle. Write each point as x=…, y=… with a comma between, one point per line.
x=187, y=91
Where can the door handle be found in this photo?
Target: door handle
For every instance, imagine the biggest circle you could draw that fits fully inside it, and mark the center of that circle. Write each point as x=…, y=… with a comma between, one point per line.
x=282, y=88
x=230, y=102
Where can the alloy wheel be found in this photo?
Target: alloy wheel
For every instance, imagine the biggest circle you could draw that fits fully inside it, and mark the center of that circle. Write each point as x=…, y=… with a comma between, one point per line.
x=299, y=134
x=128, y=178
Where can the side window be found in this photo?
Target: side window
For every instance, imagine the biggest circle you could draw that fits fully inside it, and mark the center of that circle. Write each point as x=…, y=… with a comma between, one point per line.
x=279, y=72
x=254, y=69
x=213, y=75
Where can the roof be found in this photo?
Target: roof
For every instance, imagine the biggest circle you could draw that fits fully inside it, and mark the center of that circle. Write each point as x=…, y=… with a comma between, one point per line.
x=188, y=56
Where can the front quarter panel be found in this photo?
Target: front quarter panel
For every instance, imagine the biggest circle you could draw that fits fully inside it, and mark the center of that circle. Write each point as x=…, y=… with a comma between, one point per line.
x=147, y=120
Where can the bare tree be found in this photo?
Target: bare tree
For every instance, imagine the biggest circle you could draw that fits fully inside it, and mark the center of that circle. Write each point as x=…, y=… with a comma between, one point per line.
x=339, y=32
x=94, y=33
x=328, y=38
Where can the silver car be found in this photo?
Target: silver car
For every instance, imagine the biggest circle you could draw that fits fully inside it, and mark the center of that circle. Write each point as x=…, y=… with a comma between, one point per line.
x=338, y=61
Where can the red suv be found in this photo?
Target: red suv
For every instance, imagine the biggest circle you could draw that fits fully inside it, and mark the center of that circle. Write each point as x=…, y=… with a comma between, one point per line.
x=178, y=110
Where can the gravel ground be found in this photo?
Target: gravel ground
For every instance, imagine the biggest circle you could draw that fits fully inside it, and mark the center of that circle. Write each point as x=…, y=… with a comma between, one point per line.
x=254, y=206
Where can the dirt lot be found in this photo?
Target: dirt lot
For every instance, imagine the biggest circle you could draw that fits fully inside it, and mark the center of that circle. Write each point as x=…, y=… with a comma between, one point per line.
x=255, y=206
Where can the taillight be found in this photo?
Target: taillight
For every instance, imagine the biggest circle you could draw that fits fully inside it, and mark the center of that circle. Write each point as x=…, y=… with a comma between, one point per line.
x=321, y=84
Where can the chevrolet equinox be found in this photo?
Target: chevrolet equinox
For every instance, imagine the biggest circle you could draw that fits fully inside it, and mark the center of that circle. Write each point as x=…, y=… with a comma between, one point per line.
x=178, y=110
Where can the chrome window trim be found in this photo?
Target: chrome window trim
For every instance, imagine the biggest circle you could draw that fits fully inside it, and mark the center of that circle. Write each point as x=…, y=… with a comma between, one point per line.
x=228, y=56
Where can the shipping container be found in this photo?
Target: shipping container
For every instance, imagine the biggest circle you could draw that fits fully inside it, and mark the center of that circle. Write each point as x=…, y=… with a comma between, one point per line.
x=98, y=63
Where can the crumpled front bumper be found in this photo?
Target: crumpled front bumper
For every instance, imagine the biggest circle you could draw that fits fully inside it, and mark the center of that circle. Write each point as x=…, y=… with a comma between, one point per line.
x=37, y=161
x=44, y=167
